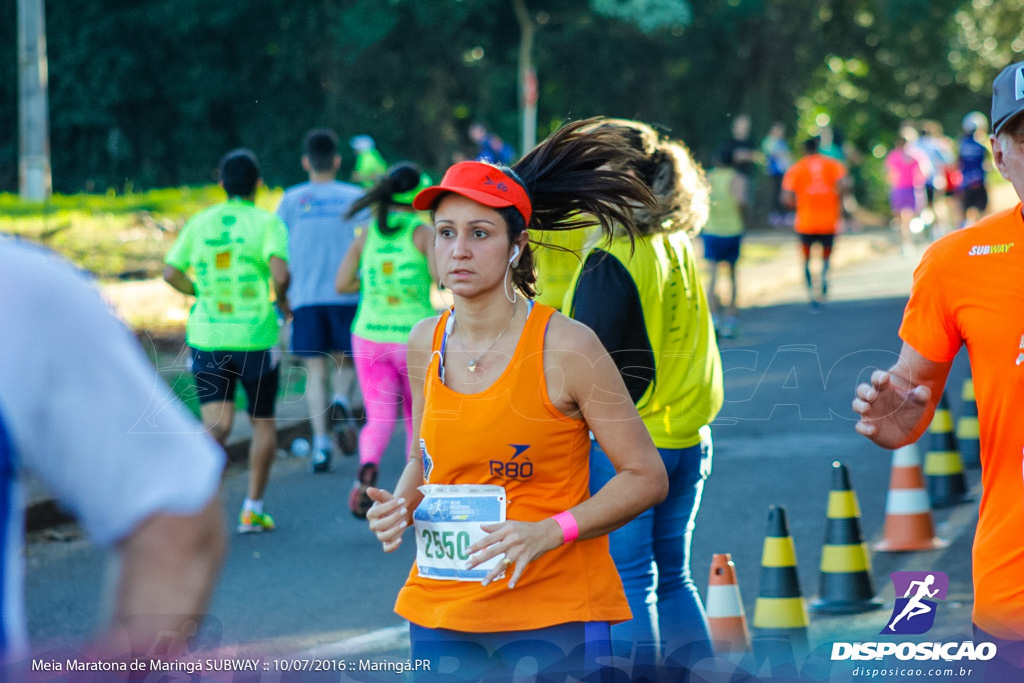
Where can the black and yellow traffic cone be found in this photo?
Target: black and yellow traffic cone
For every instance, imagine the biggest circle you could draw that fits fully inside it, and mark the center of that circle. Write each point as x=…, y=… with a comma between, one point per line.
x=845, y=585
x=780, y=613
x=943, y=468
x=968, y=432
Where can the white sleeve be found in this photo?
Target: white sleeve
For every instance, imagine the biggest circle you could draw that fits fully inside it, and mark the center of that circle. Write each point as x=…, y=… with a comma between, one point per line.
x=86, y=411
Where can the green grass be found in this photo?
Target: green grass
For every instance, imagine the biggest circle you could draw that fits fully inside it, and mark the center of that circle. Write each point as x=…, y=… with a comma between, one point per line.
x=115, y=236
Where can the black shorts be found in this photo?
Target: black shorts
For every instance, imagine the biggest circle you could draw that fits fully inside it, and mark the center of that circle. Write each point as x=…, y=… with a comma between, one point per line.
x=826, y=240
x=929, y=193
x=974, y=197
x=318, y=330
x=216, y=373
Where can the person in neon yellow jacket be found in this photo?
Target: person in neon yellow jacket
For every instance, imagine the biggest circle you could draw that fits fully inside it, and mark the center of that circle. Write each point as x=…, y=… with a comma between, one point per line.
x=645, y=301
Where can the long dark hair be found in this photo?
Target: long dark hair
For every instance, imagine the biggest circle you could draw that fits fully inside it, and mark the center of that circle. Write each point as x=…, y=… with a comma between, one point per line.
x=400, y=178
x=580, y=176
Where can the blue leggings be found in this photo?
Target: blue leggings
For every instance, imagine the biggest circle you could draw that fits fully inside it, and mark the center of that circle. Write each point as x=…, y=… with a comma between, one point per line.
x=550, y=654
x=652, y=554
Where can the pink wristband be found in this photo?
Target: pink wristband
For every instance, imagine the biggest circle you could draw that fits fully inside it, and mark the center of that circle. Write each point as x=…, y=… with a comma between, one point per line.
x=570, y=530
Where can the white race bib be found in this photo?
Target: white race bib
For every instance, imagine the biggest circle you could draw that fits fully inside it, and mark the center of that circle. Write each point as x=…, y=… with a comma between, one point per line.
x=448, y=521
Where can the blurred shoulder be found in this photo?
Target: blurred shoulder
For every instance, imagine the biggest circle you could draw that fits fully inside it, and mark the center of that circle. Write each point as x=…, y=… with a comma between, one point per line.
x=37, y=267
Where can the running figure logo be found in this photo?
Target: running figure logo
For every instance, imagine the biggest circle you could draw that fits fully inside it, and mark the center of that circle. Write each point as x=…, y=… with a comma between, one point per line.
x=914, y=613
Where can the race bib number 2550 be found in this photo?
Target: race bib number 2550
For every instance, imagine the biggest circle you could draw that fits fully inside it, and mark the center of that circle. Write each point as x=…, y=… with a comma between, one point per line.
x=448, y=521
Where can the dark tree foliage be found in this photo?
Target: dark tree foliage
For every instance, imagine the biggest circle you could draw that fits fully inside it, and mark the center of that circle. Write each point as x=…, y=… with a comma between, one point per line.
x=8, y=95
x=151, y=93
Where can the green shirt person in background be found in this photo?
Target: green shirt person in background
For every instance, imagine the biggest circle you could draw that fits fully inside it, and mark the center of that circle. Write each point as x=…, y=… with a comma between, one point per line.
x=391, y=263
x=228, y=257
x=370, y=164
x=723, y=236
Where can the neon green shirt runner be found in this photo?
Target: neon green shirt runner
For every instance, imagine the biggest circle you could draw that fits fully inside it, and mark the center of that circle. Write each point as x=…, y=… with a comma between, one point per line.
x=228, y=246
x=394, y=283
x=726, y=217
x=370, y=166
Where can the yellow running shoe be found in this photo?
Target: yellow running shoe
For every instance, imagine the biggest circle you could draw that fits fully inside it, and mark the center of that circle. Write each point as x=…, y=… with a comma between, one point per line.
x=250, y=522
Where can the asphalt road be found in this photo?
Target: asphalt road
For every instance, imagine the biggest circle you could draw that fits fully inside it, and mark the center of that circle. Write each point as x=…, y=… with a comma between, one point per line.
x=319, y=585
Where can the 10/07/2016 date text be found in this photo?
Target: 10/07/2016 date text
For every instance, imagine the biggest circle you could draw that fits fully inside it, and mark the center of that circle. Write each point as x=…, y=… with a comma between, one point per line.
x=397, y=667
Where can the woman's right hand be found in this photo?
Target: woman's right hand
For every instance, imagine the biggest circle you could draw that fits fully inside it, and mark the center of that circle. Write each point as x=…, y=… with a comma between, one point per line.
x=388, y=517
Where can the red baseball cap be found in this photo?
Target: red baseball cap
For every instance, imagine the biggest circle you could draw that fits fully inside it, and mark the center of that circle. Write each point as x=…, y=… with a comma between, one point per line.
x=483, y=183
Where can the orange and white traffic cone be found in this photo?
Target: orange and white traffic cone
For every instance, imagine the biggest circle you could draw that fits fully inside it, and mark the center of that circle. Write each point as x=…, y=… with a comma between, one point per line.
x=943, y=468
x=726, y=618
x=968, y=431
x=908, y=516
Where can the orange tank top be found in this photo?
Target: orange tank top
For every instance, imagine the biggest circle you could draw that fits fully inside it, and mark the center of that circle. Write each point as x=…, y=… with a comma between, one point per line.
x=511, y=435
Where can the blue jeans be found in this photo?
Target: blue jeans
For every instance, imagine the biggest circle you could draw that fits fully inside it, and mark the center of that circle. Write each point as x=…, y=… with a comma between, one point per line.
x=652, y=554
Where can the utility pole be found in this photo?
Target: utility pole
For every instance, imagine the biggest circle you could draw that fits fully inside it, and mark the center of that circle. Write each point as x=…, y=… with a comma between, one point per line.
x=527, y=77
x=34, y=181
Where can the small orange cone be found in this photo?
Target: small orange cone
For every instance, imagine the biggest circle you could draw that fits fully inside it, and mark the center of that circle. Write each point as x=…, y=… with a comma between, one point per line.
x=726, y=618
x=968, y=432
x=908, y=516
x=943, y=468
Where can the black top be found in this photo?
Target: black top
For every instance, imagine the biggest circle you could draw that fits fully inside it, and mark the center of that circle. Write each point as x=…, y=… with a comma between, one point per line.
x=728, y=151
x=607, y=301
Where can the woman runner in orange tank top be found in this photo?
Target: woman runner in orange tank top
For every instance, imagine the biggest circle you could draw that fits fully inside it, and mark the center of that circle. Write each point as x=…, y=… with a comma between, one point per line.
x=512, y=551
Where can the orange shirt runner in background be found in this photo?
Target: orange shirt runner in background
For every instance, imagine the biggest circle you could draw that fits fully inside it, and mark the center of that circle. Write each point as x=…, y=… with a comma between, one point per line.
x=815, y=182
x=968, y=290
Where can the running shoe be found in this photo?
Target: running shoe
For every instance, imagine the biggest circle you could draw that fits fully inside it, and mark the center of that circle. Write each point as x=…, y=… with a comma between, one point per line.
x=250, y=522
x=321, y=460
x=359, y=502
x=345, y=430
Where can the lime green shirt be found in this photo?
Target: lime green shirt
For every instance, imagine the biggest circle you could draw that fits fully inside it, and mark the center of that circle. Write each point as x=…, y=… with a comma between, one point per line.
x=725, y=218
x=370, y=166
x=688, y=389
x=394, y=281
x=554, y=266
x=228, y=247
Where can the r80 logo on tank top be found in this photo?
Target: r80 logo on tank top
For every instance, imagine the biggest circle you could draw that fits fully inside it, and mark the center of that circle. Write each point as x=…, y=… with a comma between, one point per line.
x=516, y=467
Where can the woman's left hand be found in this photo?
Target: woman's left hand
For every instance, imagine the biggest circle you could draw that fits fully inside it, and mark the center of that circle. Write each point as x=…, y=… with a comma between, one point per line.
x=520, y=542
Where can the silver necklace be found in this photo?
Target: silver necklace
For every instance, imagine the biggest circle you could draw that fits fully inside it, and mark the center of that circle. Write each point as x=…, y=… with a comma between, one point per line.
x=473, y=362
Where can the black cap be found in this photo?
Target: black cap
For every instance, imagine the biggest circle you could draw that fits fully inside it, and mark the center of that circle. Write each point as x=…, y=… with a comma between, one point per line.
x=1007, y=96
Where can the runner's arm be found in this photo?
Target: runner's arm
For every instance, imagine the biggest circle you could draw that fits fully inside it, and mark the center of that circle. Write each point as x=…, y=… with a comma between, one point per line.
x=282, y=278
x=181, y=282
x=598, y=390
x=347, y=277
x=897, y=405
x=169, y=565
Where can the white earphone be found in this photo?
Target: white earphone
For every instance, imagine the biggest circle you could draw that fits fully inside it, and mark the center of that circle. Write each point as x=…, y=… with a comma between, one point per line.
x=515, y=254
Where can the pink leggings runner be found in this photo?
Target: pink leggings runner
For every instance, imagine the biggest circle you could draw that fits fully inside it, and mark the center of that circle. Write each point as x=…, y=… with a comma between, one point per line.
x=384, y=381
